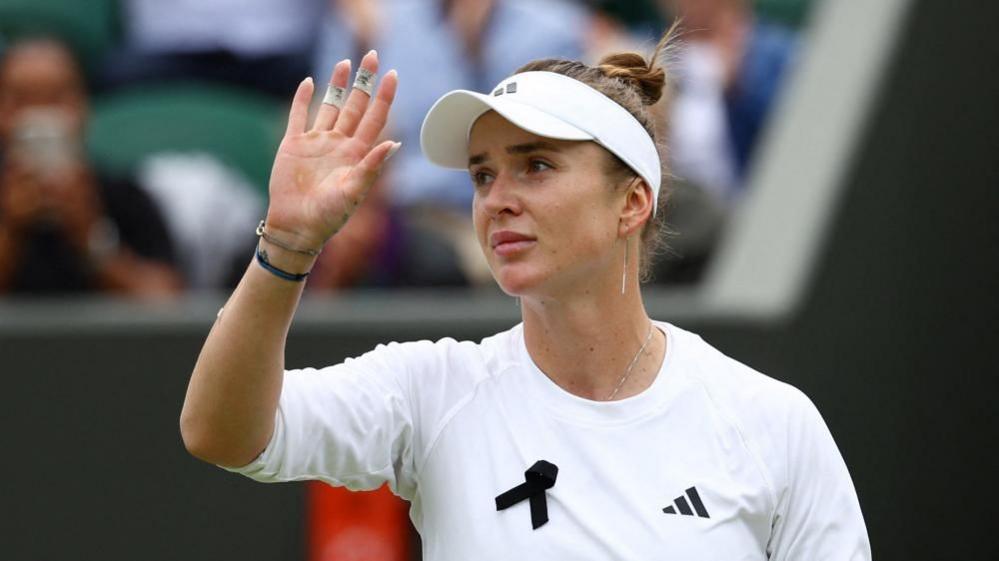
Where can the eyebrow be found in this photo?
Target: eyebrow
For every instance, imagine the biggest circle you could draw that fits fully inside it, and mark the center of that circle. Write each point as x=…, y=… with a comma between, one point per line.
x=525, y=148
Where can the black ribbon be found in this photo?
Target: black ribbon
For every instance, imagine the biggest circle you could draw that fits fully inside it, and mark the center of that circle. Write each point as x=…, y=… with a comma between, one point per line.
x=538, y=478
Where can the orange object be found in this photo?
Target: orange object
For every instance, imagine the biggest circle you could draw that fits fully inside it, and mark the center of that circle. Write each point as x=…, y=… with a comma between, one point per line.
x=356, y=526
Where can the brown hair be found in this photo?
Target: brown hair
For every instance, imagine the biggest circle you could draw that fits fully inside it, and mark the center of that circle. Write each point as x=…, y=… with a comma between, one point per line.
x=636, y=84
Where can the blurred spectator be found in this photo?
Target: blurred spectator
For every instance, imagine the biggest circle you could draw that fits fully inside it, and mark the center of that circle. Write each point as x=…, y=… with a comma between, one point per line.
x=210, y=211
x=695, y=220
x=261, y=44
x=63, y=227
x=695, y=217
x=380, y=248
x=606, y=33
x=437, y=46
x=730, y=71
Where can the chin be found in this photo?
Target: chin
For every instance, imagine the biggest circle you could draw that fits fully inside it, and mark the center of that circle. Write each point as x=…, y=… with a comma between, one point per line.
x=517, y=280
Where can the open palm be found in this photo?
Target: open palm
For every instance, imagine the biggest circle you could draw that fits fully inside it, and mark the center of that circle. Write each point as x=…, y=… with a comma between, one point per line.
x=321, y=175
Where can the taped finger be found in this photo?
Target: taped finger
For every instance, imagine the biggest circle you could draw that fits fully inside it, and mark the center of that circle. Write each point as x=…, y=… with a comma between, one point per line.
x=365, y=81
x=335, y=96
x=357, y=99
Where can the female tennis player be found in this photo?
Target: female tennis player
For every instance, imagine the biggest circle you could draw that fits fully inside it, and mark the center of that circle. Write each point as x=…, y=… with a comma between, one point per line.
x=589, y=430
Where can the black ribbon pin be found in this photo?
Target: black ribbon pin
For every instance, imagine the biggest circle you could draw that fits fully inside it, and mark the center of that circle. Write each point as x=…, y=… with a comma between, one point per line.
x=538, y=478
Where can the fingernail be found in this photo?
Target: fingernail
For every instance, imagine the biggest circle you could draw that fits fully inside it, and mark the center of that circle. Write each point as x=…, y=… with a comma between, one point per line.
x=372, y=52
x=307, y=79
x=395, y=148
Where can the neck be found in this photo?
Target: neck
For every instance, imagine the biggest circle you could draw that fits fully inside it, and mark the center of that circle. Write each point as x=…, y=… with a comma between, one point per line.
x=586, y=341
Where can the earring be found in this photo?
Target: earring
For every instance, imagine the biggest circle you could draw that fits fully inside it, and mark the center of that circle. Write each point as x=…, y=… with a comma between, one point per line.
x=624, y=272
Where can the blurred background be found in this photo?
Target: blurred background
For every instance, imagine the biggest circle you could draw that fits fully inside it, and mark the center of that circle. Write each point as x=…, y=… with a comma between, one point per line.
x=833, y=218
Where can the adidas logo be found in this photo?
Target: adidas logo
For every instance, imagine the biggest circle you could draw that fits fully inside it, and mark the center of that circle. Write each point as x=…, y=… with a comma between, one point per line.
x=683, y=506
x=510, y=88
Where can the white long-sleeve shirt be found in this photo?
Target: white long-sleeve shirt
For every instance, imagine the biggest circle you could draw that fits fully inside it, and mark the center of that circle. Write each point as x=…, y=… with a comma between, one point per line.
x=714, y=461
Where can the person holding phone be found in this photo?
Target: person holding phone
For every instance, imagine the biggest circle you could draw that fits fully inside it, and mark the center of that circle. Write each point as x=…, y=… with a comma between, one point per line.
x=63, y=226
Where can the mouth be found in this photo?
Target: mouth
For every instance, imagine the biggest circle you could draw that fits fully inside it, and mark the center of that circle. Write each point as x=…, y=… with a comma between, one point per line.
x=506, y=243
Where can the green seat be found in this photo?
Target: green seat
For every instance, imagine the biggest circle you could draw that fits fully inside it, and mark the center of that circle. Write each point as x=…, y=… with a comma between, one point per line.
x=90, y=27
x=793, y=13
x=242, y=129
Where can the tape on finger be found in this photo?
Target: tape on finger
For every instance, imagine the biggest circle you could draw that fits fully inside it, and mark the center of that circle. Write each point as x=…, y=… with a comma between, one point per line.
x=365, y=81
x=335, y=96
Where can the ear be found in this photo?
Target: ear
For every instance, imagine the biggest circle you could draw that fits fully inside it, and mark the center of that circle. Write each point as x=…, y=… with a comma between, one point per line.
x=637, y=209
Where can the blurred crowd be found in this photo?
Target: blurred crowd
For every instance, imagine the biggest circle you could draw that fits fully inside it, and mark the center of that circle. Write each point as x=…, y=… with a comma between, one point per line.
x=180, y=213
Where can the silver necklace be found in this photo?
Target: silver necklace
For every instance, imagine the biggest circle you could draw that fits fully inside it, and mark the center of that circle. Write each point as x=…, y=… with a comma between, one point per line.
x=632, y=365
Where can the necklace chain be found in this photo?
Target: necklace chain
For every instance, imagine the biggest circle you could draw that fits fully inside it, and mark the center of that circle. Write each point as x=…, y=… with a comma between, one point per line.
x=634, y=361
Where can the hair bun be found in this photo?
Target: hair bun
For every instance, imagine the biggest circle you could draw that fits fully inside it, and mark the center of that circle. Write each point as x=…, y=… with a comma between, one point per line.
x=648, y=79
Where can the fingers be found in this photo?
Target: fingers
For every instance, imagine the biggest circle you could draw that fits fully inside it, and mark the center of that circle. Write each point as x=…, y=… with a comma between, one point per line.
x=328, y=112
x=298, y=116
x=364, y=172
x=377, y=114
x=357, y=101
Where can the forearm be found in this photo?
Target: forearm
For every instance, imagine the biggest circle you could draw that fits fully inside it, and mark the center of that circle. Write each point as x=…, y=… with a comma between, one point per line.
x=320, y=175
x=228, y=414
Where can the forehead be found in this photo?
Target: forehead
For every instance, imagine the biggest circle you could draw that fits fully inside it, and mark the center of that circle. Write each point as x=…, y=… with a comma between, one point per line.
x=40, y=62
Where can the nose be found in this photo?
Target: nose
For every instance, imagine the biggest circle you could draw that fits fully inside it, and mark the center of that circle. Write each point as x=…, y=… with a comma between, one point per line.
x=500, y=197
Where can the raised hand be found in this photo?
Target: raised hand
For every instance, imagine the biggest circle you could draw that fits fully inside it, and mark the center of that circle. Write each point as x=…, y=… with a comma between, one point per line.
x=320, y=176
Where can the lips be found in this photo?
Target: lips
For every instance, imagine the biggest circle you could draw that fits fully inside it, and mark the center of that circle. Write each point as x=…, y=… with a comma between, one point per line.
x=506, y=242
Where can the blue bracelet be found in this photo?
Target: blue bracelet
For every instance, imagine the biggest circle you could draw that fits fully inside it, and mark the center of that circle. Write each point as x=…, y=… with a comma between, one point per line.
x=278, y=272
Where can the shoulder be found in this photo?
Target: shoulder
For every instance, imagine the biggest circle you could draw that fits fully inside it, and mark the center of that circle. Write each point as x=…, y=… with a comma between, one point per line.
x=730, y=382
x=119, y=193
x=459, y=364
x=771, y=48
x=437, y=379
x=443, y=351
x=767, y=413
x=137, y=217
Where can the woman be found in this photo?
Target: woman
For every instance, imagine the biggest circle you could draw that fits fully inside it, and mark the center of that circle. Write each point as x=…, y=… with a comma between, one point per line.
x=589, y=431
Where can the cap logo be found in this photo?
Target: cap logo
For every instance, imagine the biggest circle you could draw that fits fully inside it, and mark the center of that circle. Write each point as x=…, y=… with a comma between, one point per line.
x=510, y=88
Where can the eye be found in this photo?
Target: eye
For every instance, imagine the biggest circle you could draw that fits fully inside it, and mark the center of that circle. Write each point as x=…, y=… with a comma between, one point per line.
x=481, y=177
x=536, y=165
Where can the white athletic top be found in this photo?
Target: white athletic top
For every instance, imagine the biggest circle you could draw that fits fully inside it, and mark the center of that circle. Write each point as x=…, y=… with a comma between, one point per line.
x=714, y=461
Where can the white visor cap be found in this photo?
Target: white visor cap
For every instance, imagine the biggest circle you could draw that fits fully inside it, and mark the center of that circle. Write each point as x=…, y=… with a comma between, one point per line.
x=546, y=104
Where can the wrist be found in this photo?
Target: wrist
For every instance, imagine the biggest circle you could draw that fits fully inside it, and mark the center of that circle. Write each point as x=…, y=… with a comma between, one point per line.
x=289, y=261
x=291, y=238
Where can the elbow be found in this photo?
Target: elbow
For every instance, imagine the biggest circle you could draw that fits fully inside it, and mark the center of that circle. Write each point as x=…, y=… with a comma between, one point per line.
x=199, y=441
x=205, y=445
x=195, y=439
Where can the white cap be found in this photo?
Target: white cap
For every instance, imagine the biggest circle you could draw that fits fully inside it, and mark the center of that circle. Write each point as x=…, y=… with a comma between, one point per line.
x=546, y=104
